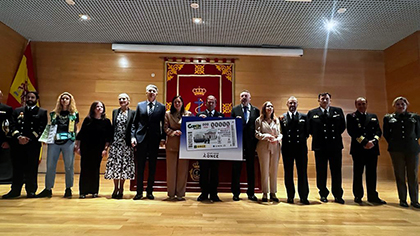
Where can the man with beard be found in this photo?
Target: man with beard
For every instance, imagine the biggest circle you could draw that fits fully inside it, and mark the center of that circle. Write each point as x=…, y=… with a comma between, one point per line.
x=146, y=133
x=27, y=125
x=5, y=119
x=295, y=132
x=326, y=124
x=248, y=114
x=209, y=170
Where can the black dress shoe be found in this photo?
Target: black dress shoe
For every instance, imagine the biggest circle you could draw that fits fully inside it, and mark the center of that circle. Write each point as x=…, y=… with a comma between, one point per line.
x=235, y=198
x=82, y=196
x=415, y=204
x=403, y=204
x=358, y=200
x=339, y=200
x=202, y=197
x=324, y=199
x=264, y=199
x=95, y=195
x=68, y=193
x=45, y=193
x=274, y=199
x=377, y=201
x=304, y=201
x=150, y=196
x=290, y=200
x=10, y=195
x=31, y=195
x=252, y=198
x=119, y=196
x=138, y=196
x=215, y=199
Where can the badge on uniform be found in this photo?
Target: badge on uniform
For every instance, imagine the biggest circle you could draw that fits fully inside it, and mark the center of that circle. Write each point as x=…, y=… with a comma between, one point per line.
x=374, y=119
x=392, y=120
x=315, y=116
x=301, y=120
x=336, y=115
x=2, y=112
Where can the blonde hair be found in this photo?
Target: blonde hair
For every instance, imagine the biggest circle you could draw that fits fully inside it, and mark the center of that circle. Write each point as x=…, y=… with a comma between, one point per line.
x=72, y=106
x=402, y=99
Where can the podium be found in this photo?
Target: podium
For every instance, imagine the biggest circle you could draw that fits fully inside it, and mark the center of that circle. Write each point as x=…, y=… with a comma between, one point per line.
x=225, y=175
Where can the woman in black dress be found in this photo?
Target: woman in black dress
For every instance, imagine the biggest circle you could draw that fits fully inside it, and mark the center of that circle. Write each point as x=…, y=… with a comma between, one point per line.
x=92, y=143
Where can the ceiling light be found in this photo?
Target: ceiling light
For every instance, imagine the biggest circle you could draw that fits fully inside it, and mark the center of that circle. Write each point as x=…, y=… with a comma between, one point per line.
x=341, y=10
x=194, y=5
x=70, y=2
x=84, y=17
x=197, y=20
x=330, y=25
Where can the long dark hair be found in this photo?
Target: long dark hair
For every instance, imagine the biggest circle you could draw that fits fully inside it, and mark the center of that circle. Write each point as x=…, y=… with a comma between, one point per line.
x=173, y=109
x=263, y=115
x=92, y=110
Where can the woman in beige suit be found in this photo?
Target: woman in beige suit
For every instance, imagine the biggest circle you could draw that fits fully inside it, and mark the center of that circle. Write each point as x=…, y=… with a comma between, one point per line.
x=176, y=169
x=267, y=131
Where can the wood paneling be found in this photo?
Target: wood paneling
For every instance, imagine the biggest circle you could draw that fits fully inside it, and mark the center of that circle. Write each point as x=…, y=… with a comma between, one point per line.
x=94, y=72
x=402, y=71
x=12, y=46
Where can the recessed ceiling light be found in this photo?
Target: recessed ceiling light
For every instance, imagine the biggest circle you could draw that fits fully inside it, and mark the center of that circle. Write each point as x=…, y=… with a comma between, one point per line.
x=341, y=10
x=298, y=0
x=197, y=20
x=194, y=5
x=70, y=2
x=84, y=17
x=330, y=25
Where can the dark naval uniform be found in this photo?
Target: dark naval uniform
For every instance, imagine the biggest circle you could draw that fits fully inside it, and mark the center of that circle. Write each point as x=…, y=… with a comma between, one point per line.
x=295, y=132
x=29, y=122
x=326, y=129
x=402, y=132
x=5, y=161
x=209, y=170
x=362, y=128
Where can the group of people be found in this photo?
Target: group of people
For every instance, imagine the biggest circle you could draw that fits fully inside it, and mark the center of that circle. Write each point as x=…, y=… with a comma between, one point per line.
x=137, y=135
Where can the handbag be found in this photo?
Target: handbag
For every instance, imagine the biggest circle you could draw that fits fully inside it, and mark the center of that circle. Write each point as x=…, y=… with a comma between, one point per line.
x=48, y=136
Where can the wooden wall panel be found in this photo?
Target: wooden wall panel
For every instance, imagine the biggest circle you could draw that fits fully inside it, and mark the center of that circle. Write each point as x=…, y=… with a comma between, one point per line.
x=94, y=72
x=12, y=46
x=402, y=71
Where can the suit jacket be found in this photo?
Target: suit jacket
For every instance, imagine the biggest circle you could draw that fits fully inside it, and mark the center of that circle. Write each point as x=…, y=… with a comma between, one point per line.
x=173, y=123
x=130, y=119
x=402, y=132
x=150, y=126
x=28, y=123
x=248, y=136
x=263, y=130
x=5, y=119
x=362, y=130
x=326, y=130
x=207, y=113
x=295, y=132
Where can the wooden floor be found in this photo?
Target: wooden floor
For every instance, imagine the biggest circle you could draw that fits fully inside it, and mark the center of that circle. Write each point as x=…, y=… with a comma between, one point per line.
x=106, y=216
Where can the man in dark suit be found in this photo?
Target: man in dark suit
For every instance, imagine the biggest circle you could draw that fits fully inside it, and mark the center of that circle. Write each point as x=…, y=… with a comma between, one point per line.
x=209, y=170
x=146, y=133
x=326, y=124
x=248, y=114
x=27, y=125
x=365, y=132
x=295, y=132
x=5, y=160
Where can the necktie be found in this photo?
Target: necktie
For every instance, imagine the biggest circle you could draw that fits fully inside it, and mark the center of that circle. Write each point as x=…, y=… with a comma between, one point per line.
x=150, y=108
x=246, y=114
x=325, y=112
x=293, y=116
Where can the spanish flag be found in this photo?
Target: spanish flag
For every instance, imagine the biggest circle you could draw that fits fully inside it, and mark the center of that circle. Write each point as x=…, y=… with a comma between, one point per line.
x=24, y=80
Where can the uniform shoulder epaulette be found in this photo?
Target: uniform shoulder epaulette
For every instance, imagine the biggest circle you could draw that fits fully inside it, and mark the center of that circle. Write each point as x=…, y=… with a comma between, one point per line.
x=390, y=115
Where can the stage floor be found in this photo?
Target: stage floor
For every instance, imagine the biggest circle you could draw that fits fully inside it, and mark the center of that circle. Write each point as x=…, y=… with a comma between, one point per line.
x=106, y=216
